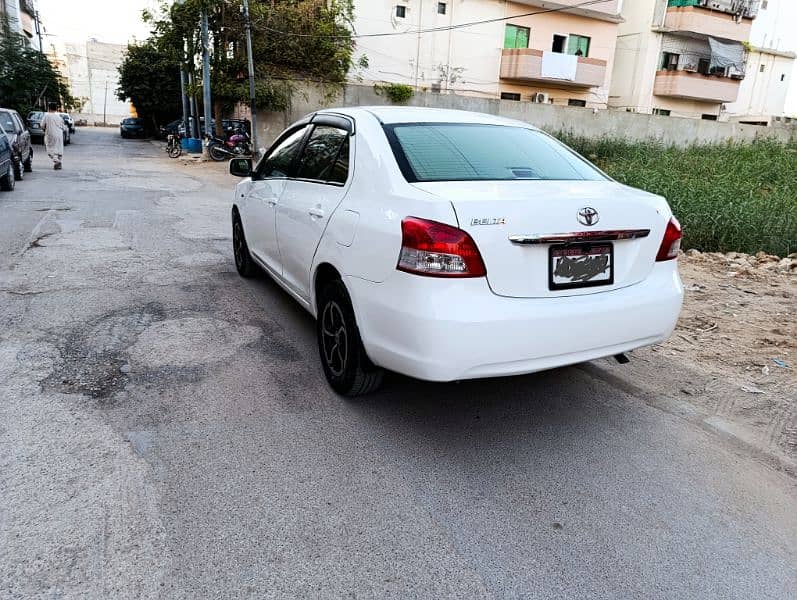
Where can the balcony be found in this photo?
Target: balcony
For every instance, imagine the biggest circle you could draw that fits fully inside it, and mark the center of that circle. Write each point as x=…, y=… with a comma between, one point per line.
x=696, y=86
x=525, y=65
x=714, y=23
x=609, y=10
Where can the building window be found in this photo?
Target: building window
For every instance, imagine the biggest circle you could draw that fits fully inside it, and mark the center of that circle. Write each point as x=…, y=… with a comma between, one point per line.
x=576, y=102
x=669, y=61
x=510, y=96
x=441, y=8
x=704, y=66
x=761, y=69
x=559, y=42
x=401, y=11
x=516, y=37
x=709, y=117
x=764, y=4
x=662, y=112
x=578, y=45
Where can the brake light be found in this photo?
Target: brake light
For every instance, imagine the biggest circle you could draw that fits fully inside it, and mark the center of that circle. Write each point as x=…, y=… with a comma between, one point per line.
x=671, y=244
x=438, y=250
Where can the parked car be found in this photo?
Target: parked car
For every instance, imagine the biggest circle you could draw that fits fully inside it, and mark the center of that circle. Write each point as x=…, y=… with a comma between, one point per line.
x=34, y=121
x=35, y=127
x=449, y=245
x=132, y=127
x=7, y=180
x=171, y=128
x=70, y=122
x=21, y=146
x=181, y=126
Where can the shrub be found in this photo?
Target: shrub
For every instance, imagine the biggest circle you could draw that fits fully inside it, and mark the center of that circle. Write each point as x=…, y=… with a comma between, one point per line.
x=398, y=93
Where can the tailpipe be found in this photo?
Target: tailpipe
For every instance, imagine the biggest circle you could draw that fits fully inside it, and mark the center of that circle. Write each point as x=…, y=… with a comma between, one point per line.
x=622, y=358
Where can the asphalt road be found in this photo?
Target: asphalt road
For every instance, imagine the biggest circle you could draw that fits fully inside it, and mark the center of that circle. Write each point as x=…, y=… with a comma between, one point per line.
x=165, y=431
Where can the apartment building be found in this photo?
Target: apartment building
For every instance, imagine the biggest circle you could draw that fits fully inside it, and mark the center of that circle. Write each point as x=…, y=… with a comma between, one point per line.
x=22, y=18
x=768, y=94
x=683, y=58
x=553, y=52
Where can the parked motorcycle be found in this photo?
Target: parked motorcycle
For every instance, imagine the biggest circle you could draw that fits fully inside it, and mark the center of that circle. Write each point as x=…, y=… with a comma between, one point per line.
x=173, y=145
x=237, y=145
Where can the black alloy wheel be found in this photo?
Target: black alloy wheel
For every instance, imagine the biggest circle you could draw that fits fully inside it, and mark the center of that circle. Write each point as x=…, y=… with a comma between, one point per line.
x=243, y=260
x=346, y=365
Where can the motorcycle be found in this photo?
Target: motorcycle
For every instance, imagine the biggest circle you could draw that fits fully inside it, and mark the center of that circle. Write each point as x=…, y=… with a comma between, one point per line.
x=173, y=146
x=238, y=144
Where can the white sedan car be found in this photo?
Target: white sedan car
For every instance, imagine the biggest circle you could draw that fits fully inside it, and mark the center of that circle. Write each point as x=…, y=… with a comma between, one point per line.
x=450, y=245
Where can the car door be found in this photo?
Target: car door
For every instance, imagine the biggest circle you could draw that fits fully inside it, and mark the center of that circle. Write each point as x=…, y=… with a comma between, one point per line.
x=258, y=208
x=311, y=197
x=23, y=136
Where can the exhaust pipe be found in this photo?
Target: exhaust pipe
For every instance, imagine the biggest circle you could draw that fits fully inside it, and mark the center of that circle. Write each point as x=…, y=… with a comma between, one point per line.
x=622, y=358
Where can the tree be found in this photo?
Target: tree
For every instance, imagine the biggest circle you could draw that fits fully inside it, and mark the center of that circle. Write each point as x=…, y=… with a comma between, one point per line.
x=27, y=79
x=292, y=39
x=150, y=79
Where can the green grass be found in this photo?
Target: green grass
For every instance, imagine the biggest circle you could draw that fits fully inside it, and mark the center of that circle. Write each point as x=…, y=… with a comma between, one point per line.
x=728, y=197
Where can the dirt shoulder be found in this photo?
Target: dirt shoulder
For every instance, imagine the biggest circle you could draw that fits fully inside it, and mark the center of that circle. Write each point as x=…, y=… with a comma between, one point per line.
x=731, y=364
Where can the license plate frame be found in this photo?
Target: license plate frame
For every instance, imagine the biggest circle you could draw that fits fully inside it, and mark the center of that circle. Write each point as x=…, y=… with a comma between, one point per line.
x=580, y=250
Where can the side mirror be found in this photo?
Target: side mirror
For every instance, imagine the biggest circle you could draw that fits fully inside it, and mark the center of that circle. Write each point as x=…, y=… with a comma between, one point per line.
x=241, y=167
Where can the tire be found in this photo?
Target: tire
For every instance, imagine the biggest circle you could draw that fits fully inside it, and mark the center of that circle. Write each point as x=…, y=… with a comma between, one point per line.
x=28, y=164
x=243, y=259
x=7, y=181
x=346, y=366
x=216, y=153
x=19, y=174
x=175, y=151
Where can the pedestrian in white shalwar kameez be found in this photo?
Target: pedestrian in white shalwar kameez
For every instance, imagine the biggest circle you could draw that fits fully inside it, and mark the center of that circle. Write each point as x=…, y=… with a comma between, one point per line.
x=54, y=127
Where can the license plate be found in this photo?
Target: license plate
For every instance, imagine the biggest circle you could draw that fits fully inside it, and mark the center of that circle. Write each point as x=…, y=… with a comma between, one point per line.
x=580, y=265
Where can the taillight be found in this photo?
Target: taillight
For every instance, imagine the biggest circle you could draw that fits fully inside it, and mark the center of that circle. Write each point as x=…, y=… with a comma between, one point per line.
x=671, y=243
x=438, y=250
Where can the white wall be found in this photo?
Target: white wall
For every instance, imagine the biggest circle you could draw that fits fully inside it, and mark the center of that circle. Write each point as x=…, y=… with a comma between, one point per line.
x=763, y=93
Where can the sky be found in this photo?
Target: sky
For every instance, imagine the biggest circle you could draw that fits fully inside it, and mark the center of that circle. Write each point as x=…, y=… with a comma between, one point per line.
x=112, y=21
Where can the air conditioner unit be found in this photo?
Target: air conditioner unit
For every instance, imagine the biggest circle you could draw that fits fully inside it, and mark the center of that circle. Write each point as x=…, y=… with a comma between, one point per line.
x=436, y=87
x=540, y=98
x=691, y=68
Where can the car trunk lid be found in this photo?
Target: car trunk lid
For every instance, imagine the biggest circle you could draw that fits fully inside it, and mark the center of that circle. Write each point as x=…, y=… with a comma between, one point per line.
x=516, y=223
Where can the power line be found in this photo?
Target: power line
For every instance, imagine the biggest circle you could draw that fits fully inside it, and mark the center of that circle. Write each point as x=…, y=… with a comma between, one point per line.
x=434, y=29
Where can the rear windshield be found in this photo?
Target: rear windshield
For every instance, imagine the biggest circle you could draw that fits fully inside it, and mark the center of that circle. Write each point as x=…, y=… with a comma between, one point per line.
x=36, y=115
x=476, y=152
x=7, y=121
x=132, y=121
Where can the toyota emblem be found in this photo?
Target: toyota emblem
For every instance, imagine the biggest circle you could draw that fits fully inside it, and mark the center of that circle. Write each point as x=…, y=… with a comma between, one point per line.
x=588, y=216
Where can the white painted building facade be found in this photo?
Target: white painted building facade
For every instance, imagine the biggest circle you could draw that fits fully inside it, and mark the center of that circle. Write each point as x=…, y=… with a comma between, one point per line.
x=769, y=92
x=505, y=54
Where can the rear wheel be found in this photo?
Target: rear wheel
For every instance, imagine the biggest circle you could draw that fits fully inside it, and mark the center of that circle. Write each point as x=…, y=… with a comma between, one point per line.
x=216, y=153
x=243, y=260
x=347, y=368
x=7, y=181
x=28, y=164
x=175, y=151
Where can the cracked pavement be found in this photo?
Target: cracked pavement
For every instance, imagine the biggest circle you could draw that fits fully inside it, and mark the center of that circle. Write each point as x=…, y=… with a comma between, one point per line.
x=166, y=432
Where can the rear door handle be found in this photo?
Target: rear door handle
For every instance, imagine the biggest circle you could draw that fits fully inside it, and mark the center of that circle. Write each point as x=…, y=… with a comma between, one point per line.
x=316, y=212
x=272, y=201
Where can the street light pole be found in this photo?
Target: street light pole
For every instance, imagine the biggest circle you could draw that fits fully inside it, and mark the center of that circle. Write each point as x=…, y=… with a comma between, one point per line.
x=250, y=60
x=206, y=76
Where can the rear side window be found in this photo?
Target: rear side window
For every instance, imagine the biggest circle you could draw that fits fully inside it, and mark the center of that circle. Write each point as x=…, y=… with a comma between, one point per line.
x=325, y=158
x=279, y=161
x=476, y=152
x=7, y=121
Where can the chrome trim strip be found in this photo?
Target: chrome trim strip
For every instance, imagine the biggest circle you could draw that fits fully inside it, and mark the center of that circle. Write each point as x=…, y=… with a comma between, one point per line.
x=580, y=236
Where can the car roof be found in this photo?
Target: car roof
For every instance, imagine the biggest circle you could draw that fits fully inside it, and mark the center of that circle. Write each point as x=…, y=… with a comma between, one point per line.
x=390, y=115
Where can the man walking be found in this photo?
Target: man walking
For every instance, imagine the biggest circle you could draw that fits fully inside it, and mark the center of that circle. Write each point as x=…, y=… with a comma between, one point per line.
x=54, y=126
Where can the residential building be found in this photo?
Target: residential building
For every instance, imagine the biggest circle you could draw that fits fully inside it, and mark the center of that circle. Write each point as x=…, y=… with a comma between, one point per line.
x=771, y=81
x=682, y=58
x=554, y=52
x=22, y=18
x=91, y=70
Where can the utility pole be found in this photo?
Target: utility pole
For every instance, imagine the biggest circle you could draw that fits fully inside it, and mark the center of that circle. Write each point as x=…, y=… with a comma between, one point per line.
x=252, y=95
x=186, y=107
x=105, y=105
x=38, y=30
x=206, y=101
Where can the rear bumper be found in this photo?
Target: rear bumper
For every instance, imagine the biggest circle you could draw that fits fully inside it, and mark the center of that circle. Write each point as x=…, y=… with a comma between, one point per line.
x=445, y=330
